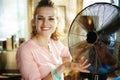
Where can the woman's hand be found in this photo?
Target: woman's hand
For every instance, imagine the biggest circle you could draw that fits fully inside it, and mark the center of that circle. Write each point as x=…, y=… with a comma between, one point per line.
x=80, y=66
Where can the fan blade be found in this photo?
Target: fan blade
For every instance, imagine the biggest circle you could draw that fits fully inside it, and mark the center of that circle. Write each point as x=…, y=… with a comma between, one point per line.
x=79, y=51
x=86, y=22
x=106, y=60
x=98, y=55
x=112, y=27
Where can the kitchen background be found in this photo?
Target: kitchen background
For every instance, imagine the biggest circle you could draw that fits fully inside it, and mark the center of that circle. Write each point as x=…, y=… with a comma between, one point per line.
x=15, y=25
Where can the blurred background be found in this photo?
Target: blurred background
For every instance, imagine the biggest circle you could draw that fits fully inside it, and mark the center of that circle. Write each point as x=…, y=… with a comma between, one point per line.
x=15, y=27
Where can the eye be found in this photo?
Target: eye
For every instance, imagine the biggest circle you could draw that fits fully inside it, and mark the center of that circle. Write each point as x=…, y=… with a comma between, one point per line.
x=51, y=19
x=40, y=18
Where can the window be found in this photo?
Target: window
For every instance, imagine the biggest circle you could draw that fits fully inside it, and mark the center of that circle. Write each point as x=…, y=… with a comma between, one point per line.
x=13, y=18
x=89, y=2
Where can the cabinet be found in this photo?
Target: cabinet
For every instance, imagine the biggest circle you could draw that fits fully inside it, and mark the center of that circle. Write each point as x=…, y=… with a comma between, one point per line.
x=8, y=60
x=8, y=66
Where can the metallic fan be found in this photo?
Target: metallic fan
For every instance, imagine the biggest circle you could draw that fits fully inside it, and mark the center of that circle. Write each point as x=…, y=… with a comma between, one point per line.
x=94, y=35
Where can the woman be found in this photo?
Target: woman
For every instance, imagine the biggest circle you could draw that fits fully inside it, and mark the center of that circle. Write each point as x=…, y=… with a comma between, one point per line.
x=44, y=57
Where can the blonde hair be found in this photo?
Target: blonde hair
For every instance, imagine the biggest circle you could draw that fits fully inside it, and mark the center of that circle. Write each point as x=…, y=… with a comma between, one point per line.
x=44, y=3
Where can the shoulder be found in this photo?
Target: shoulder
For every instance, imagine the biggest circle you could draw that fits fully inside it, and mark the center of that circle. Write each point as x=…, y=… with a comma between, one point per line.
x=28, y=45
x=57, y=43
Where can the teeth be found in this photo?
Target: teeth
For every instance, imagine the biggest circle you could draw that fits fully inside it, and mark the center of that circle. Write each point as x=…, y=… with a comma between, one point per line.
x=45, y=28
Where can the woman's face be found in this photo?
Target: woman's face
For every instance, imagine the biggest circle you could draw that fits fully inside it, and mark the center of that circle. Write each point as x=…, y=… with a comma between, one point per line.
x=46, y=21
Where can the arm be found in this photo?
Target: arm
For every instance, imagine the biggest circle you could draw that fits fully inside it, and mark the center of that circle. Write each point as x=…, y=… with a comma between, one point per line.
x=69, y=66
x=27, y=65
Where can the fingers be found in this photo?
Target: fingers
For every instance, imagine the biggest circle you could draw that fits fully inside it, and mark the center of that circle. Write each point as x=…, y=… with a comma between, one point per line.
x=81, y=66
x=85, y=71
x=84, y=64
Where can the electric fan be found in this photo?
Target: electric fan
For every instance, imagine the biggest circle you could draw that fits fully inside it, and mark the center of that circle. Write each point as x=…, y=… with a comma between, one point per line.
x=94, y=35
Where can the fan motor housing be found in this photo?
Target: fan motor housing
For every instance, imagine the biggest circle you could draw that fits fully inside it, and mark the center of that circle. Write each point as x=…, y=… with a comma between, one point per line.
x=92, y=37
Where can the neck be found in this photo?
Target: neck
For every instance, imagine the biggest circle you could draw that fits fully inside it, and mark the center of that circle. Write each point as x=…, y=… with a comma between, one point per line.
x=42, y=41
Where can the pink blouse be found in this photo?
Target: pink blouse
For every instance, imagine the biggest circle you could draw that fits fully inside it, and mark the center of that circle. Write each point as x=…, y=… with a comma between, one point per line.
x=36, y=62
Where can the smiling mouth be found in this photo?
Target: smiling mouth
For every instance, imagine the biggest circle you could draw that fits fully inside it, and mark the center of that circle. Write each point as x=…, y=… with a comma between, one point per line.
x=45, y=28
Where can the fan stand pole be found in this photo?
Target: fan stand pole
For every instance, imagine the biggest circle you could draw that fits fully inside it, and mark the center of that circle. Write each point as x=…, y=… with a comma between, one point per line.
x=96, y=77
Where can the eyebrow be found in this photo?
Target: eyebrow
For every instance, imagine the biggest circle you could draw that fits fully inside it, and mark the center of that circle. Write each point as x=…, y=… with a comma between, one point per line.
x=39, y=16
x=43, y=16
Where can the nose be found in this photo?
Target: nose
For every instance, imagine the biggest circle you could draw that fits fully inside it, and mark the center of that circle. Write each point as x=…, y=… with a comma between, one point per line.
x=45, y=22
